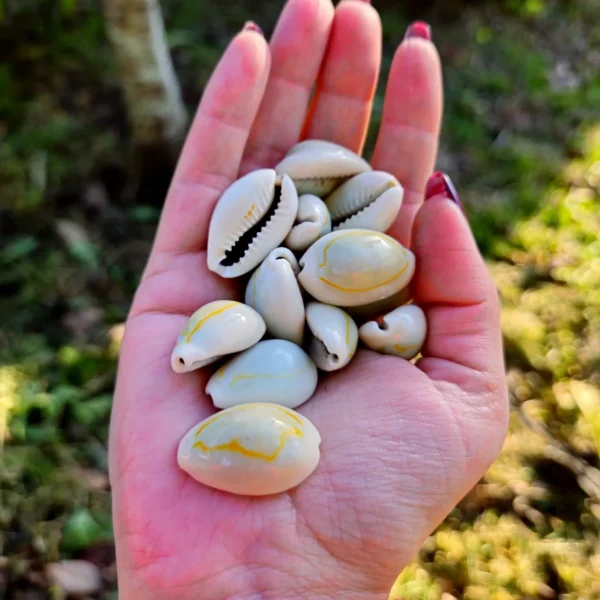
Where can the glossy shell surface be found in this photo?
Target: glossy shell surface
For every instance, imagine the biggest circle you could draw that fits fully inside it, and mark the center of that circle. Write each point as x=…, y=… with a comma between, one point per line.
x=251, y=218
x=252, y=449
x=335, y=336
x=273, y=291
x=353, y=267
x=214, y=330
x=318, y=167
x=369, y=200
x=312, y=222
x=400, y=332
x=275, y=371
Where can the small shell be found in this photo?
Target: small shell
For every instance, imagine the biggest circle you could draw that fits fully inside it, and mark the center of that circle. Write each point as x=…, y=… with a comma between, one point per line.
x=251, y=218
x=274, y=371
x=273, y=291
x=252, y=450
x=335, y=336
x=352, y=267
x=401, y=332
x=313, y=221
x=218, y=328
x=368, y=200
x=318, y=167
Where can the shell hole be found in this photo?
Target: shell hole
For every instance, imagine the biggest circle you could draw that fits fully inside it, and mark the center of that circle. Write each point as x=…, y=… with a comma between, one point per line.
x=181, y=361
x=239, y=249
x=335, y=358
x=382, y=324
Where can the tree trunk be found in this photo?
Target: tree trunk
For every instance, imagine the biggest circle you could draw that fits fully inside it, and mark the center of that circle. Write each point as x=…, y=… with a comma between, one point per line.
x=151, y=91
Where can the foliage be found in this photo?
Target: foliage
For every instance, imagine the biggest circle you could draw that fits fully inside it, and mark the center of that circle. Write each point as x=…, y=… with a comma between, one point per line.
x=522, y=143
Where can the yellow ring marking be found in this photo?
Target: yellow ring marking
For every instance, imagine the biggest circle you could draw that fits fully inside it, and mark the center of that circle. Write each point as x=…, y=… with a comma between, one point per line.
x=245, y=407
x=207, y=317
x=349, y=234
x=367, y=289
x=347, y=328
x=235, y=446
x=400, y=348
x=269, y=375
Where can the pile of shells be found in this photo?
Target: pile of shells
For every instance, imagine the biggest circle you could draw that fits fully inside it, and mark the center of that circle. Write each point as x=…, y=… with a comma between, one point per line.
x=310, y=234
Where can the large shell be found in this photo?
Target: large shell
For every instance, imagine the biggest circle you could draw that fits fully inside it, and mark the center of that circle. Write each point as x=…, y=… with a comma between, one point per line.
x=275, y=371
x=251, y=218
x=318, y=167
x=335, y=336
x=218, y=328
x=368, y=200
x=273, y=291
x=253, y=450
x=353, y=267
x=312, y=222
x=401, y=332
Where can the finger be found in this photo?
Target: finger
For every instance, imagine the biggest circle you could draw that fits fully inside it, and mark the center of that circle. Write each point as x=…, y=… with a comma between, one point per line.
x=297, y=49
x=211, y=156
x=410, y=123
x=341, y=107
x=453, y=285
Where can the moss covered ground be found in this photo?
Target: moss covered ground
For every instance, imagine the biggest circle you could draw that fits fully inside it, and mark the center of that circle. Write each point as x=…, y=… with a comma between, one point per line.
x=521, y=140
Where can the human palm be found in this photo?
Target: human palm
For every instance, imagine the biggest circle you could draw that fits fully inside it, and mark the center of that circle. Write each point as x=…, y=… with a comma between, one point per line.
x=401, y=442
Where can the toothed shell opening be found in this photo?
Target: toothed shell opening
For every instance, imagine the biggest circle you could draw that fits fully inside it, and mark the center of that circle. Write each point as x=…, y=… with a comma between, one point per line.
x=252, y=236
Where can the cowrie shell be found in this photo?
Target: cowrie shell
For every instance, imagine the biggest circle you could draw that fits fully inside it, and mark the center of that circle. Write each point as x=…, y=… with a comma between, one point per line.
x=318, y=167
x=214, y=330
x=312, y=222
x=273, y=291
x=352, y=267
x=400, y=332
x=275, y=371
x=335, y=336
x=253, y=449
x=368, y=200
x=251, y=218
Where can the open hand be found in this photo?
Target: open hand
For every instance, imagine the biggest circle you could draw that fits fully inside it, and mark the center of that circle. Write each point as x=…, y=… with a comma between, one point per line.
x=401, y=442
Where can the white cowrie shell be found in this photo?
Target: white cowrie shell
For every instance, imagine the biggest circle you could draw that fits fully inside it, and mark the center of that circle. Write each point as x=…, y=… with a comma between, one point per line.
x=401, y=332
x=273, y=291
x=352, y=267
x=318, y=167
x=251, y=218
x=368, y=200
x=313, y=221
x=253, y=450
x=216, y=329
x=274, y=371
x=335, y=336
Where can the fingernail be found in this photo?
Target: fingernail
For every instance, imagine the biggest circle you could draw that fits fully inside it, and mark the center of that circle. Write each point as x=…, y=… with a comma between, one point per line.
x=418, y=29
x=439, y=184
x=252, y=26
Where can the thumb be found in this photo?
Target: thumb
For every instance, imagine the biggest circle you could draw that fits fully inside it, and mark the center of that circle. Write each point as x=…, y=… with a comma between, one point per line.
x=455, y=289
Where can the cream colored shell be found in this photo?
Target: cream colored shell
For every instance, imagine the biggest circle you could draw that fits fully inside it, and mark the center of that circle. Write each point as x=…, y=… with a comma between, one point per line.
x=251, y=218
x=273, y=291
x=275, y=371
x=318, y=167
x=312, y=221
x=368, y=200
x=252, y=449
x=353, y=267
x=335, y=336
x=401, y=332
x=214, y=330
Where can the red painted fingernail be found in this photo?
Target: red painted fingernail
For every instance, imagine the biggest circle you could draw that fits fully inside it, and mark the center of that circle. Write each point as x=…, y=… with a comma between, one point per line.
x=439, y=184
x=252, y=26
x=419, y=29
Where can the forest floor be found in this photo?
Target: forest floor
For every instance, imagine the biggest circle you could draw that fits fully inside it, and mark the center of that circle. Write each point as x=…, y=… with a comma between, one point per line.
x=521, y=140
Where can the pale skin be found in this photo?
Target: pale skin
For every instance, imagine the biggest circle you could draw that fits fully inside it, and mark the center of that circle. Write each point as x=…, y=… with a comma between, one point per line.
x=402, y=442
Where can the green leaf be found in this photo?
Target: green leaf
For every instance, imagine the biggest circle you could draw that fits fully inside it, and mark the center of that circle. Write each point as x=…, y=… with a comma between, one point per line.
x=81, y=530
x=20, y=247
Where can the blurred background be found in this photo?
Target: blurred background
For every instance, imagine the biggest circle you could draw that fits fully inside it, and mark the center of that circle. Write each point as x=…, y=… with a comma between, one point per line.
x=86, y=154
